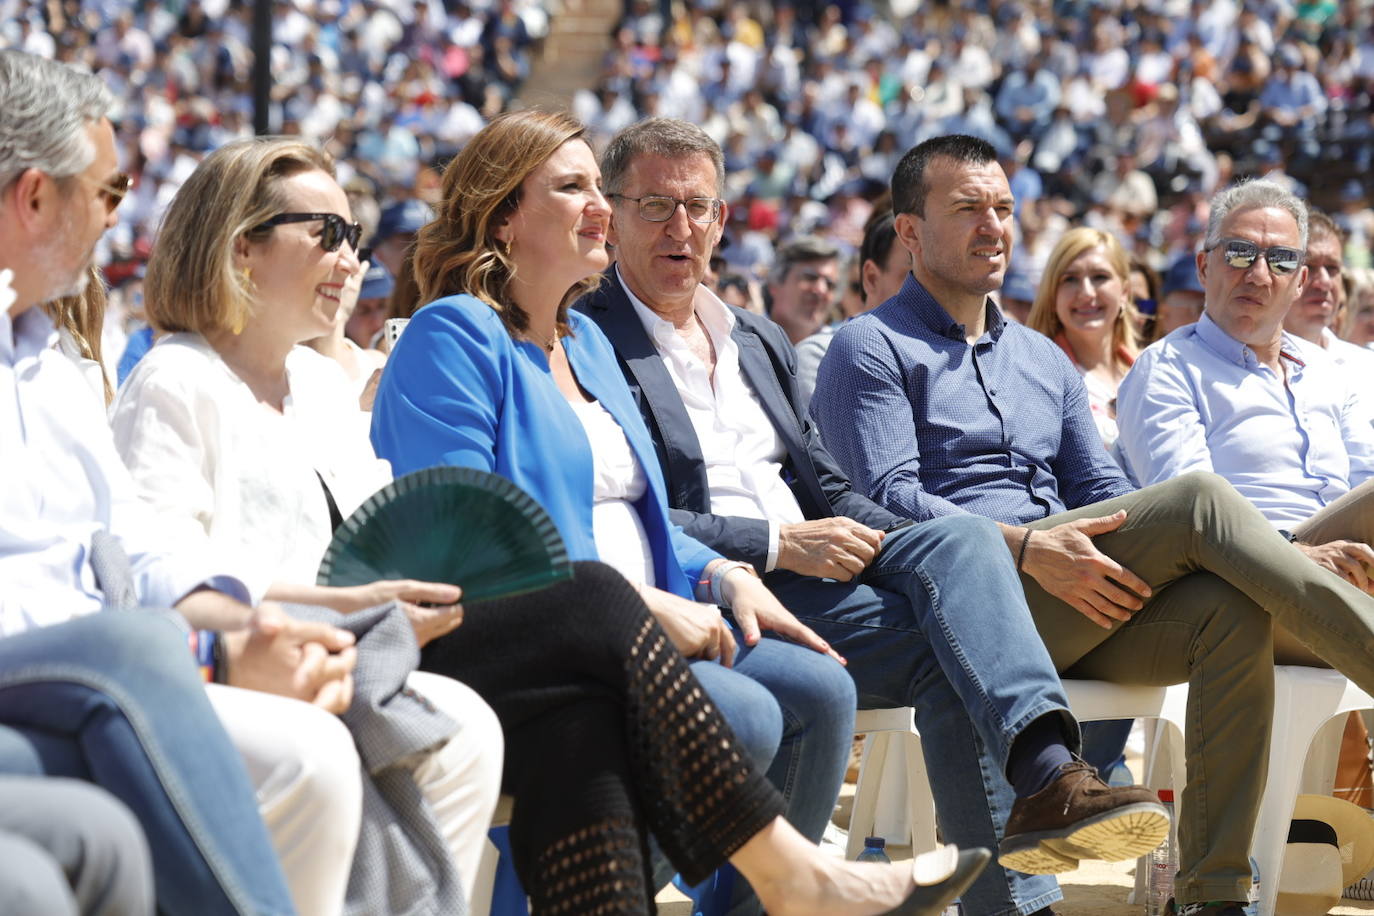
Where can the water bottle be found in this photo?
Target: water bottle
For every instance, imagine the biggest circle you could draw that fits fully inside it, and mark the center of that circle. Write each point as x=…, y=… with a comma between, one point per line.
x=874, y=850
x=1252, y=899
x=1163, y=864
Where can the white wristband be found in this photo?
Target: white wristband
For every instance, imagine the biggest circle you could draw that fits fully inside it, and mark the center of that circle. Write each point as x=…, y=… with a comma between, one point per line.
x=718, y=579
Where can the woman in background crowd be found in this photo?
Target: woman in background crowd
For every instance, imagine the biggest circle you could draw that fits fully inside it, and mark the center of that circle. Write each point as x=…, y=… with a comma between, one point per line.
x=1084, y=305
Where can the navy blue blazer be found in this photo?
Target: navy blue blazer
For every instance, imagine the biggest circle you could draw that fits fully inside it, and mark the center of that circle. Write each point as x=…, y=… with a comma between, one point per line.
x=769, y=365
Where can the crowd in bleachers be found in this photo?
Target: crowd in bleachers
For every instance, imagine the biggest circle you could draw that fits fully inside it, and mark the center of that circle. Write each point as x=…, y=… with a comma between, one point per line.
x=1123, y=117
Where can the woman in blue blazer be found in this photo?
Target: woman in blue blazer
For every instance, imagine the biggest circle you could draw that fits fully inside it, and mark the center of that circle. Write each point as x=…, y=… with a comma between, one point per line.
x=492, y=374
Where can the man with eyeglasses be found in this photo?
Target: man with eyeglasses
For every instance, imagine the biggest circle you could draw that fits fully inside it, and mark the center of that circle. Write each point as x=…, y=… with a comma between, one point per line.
x=923, y=613
x=936, y=407
x=1239, y=395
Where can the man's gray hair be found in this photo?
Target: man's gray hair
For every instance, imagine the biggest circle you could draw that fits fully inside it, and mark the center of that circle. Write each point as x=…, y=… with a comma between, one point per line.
x=801, y=250
x=671, y=138
x=1251, y=195
x=44, y=109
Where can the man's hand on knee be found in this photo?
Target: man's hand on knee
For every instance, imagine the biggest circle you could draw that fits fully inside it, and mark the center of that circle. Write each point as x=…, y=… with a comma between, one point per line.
x=1064, y=561
x=1351, y=560
x=828, y=548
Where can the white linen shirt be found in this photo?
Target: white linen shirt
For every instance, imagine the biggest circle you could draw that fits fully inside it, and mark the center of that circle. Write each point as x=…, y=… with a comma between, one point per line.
x=1356, y=361
x=64, y=482
x=226, y=470
x=1201, y=400
x=742, y=451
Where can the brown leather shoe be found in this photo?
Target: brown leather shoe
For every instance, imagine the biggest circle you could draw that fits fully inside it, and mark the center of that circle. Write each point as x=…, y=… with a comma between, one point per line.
x=1078, y=816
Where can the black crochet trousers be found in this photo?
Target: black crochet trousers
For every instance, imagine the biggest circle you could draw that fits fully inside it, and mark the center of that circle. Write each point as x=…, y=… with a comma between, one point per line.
x=609, y=737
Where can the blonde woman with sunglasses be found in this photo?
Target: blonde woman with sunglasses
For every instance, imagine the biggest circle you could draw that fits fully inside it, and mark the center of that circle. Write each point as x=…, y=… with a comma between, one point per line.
x=247, y=442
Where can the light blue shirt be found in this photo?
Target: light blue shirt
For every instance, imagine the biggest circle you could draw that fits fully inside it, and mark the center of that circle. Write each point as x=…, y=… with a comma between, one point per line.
x=1200, y=400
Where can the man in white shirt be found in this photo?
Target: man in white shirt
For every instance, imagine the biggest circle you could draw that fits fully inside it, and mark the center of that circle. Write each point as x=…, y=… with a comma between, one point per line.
x=1237, y=395
x=801, y=289
x=59, y=187
x=1318, y=306
x=924, y=613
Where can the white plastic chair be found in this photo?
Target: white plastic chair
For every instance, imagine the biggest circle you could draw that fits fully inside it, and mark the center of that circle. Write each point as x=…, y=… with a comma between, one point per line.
x=1310, y=705
x=890, y=731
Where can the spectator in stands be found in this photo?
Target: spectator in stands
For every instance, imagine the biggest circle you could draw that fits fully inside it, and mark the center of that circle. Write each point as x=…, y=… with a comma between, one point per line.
x=1318, y=307
x=883, y=266
x=1027, y=98
x=396, y=231
x=364, y=326
x=803, y=285
x=362, y=366
x=1359, y=322
x=1123, y=584
x=513, y=383
x=117, y=687
x=1292, y=98
x=1016, y=297
x=1219, y=395
x=717, y=390
x=1084, y=305
x=1144, y=288
x=1183, y=295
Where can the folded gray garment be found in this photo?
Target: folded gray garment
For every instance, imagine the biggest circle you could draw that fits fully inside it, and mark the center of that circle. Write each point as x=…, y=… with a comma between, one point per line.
x=402, y=865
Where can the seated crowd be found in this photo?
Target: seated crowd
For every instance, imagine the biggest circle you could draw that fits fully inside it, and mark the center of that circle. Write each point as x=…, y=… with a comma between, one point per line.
x=773, y=522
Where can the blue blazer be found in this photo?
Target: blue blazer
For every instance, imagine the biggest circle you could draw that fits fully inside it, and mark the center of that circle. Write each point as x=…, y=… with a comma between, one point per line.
x=769, y=365
x=460, y=390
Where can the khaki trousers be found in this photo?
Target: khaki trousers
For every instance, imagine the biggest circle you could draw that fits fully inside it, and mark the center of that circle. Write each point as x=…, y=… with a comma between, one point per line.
x=1222, y=578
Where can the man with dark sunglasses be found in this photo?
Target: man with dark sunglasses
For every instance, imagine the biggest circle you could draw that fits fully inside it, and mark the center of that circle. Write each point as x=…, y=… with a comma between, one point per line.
x=1237, y=394
x=936, y=406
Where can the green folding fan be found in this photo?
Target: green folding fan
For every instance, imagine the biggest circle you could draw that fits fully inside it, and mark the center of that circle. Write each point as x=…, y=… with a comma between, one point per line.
x=456, y=525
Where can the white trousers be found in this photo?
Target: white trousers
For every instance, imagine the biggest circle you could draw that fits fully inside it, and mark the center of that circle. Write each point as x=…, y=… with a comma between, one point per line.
x=306, y=772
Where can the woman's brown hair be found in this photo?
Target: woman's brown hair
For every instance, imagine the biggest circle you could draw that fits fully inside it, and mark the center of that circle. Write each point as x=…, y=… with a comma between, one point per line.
x=458, y=251
x=192, y=284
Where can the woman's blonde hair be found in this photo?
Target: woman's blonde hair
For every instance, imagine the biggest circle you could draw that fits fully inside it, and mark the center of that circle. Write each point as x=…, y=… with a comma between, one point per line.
x=1074, y=243
x=83, y=317
x=458, y=251
x=192, y=283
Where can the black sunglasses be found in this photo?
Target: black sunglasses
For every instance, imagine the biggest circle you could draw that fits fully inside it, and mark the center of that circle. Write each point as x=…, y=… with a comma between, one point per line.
x=334, y=233
x=1241, y=253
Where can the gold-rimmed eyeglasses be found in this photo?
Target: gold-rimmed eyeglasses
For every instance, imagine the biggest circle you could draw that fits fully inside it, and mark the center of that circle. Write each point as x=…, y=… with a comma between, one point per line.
x=114, y=192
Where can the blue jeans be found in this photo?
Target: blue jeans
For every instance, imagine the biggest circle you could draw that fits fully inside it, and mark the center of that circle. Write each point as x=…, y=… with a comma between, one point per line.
x=115, y=699
x=793, y=710
x=939, y=622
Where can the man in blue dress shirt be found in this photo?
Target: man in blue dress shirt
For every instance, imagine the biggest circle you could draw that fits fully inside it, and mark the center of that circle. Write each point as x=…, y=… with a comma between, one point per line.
x=936, y=406
x=1274, y=414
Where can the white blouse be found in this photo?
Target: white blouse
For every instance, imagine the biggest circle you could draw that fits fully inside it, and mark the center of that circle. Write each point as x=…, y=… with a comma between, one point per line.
x=618, y=480
x=217, y=464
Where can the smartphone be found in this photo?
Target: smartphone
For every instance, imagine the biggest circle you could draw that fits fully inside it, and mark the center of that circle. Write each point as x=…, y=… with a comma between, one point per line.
x=391, y=331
